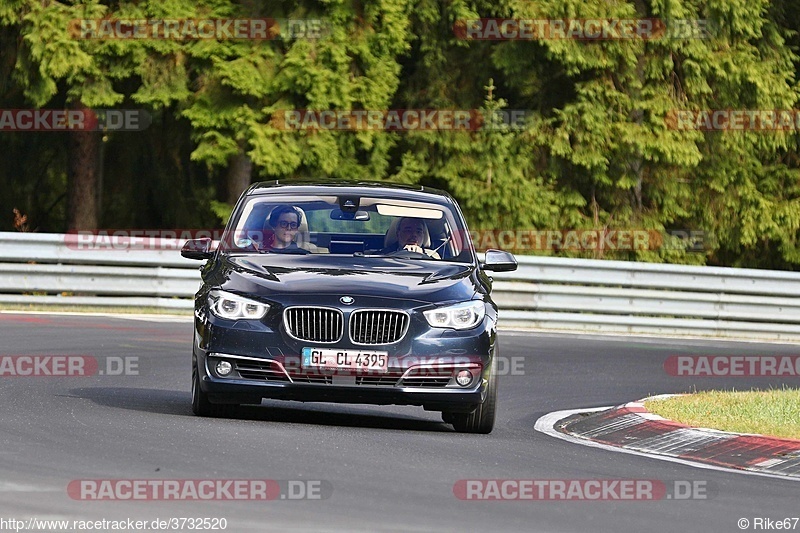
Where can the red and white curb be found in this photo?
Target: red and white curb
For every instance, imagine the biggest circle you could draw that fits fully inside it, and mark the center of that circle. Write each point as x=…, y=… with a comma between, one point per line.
x=630, y=428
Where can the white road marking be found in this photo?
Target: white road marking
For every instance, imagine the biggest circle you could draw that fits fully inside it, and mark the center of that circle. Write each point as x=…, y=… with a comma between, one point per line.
x=8, y=486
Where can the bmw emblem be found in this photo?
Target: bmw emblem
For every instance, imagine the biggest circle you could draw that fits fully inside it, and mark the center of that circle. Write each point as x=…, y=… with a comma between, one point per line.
x=347, y=300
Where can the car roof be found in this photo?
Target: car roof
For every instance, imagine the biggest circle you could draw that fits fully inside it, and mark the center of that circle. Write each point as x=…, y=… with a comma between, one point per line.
x=361, y=188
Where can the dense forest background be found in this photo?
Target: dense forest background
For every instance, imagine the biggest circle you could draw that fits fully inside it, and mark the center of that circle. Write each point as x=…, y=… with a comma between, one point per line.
x=597, y=151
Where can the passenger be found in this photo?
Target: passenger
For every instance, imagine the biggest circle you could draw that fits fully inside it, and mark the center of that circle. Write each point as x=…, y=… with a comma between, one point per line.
x=411, y=236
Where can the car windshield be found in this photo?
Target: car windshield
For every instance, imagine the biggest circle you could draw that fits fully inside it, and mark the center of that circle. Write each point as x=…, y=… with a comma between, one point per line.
x=348, y=225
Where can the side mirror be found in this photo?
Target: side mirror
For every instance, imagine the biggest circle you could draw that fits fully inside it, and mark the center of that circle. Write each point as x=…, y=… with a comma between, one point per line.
x=499, y=261
x=197, y=249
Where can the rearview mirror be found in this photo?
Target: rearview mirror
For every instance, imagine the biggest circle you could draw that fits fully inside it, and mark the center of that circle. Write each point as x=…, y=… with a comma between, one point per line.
x=338, y=214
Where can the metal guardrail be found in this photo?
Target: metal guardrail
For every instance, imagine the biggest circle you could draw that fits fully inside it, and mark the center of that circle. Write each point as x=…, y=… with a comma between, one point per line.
x=619, y=296
x=545, y=292
x=56, y=269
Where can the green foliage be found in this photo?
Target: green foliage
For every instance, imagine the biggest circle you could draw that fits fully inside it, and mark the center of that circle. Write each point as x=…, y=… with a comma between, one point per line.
x=222, y=210
x=598, y=149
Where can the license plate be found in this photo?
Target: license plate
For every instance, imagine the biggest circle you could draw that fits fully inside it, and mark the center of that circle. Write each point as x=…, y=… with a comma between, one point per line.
x=345, y=359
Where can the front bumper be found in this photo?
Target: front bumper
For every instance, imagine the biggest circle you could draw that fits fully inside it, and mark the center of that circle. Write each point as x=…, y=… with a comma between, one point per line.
x=266, y=364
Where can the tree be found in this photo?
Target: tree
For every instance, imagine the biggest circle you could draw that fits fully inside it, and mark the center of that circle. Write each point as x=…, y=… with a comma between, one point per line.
x=48, y=54
x=613, y=142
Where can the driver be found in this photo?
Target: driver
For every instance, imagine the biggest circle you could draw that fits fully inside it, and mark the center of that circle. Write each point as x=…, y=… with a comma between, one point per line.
x=281, y=230
x=410, y=236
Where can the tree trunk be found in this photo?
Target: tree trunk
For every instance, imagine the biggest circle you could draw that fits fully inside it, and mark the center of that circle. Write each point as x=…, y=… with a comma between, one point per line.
x=240, y=172
x=84, y=150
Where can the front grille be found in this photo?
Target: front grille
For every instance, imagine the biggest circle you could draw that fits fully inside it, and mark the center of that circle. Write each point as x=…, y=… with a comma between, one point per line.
x=317, y=378
x=266, y=371
x=426, y=382
x=379, y=380
x=377, y=327
x=314, y=324
x=425, y=377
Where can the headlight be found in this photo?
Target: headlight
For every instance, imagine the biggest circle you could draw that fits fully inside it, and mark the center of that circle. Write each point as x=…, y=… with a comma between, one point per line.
x=465, y=315
x=232, y=307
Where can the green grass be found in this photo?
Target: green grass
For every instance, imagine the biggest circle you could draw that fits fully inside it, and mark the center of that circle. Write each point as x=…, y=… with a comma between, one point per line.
x=95, y=309
x=774, y=412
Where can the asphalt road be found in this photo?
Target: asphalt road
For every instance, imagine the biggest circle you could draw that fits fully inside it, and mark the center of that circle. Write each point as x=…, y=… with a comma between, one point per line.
x=385, y=468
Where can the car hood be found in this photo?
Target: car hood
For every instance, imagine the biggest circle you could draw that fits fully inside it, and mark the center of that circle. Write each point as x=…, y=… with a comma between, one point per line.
x=305, y=277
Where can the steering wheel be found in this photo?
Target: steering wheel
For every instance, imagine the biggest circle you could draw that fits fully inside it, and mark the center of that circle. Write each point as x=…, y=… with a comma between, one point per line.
x=407, y=254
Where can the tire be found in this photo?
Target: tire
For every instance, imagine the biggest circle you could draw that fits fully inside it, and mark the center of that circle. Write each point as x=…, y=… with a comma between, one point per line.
x=201, y=406
x=481, y=420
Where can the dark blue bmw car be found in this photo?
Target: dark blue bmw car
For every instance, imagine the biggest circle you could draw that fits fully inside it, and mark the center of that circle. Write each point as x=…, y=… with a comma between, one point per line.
x=355, y=293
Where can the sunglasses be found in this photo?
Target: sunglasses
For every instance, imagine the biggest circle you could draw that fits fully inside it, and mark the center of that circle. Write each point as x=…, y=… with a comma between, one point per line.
x=288, y=225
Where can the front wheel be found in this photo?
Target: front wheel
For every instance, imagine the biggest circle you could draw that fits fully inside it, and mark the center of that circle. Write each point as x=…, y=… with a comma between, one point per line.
x=201, y=406
x=481, y=420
